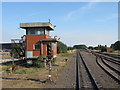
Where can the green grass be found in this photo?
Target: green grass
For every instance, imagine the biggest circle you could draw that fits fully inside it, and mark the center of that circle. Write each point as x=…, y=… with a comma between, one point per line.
x=26, y=70
x=23, y=71
x=2, y=69
x=65, y=54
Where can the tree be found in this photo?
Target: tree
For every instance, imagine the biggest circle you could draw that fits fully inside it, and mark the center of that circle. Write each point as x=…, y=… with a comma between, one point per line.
x=90, y=47
x=117, y=45
x=106, y=46
x=70, y=48
x=103, y=49
x=112, y=46
x=96, y=48
x=80, y=46
x=61, y=48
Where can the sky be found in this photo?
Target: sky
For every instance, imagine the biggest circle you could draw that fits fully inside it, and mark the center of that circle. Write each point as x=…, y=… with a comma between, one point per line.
x=89, y=23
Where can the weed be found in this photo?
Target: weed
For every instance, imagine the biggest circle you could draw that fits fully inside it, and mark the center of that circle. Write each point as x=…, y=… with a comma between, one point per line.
x=39, y=63
x=66, y=54
x=23, y=71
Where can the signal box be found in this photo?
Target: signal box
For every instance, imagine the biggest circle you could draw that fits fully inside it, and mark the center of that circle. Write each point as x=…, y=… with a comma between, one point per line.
x=37, y=40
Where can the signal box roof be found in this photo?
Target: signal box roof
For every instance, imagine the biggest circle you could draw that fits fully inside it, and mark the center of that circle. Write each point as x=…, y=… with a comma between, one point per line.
x=47, y=25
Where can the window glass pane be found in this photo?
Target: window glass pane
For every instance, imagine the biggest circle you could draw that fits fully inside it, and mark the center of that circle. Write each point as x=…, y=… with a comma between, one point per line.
x=32, y=32
x=38, y=32
x=37, y=46
x=42, y=32
x=46, y=32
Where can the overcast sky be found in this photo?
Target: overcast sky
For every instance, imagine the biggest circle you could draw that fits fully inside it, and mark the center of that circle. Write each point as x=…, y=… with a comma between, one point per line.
x=89, y=23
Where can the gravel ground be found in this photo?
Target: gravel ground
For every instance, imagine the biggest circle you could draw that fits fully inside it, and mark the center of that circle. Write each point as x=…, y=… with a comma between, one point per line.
x=67, y=78
x=63, y=76
x=100, y=76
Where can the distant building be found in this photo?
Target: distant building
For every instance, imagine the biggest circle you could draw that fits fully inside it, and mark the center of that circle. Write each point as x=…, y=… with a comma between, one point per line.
x=5, y=47
x=109, y=50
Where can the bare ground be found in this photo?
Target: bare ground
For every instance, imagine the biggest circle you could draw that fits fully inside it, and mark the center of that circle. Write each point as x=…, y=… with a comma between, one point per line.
x=63, y=76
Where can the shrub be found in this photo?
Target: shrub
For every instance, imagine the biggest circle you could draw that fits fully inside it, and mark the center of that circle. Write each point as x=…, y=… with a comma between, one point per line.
x=23, y=71
x=39, y=62
x=103, y=49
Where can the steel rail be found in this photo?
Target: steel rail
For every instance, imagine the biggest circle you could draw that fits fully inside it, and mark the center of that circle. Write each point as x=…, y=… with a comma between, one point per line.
x=117, y=56
x=78, y=86
x=108, y=59
x=112, y=76
x=112, y=68
x=93, y=81
x=111, y=60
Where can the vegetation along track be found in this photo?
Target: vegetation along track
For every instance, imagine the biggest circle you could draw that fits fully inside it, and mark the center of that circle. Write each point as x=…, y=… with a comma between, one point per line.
x=94, y=83
x=111, y=71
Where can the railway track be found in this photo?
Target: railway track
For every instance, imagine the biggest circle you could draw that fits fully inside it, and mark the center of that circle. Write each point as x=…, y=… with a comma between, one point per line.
x=111, y=67
x=108, y=68
x=111, y=60
x=117, y=56
x=86, y=76
x=94, y=83
x=111, y=71
x=110, y=56
x=107, y=58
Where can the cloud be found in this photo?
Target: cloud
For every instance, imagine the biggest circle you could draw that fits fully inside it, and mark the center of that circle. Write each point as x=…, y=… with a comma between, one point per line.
x=80, y=11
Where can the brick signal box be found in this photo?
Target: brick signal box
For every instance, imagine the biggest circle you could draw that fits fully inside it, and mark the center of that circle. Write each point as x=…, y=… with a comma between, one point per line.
x=37, y=39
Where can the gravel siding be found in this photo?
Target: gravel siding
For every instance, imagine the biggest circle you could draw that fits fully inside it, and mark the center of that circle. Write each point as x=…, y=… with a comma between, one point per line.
x=101, y=77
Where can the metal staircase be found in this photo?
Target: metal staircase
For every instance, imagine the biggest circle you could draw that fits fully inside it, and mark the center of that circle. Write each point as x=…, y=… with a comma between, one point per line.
x=18, y=48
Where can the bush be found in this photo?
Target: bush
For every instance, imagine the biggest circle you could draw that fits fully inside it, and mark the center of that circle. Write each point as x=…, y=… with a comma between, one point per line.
x=103, y=49
x=23, y=71
x=61, y=47
x=117, y=45
x=39, y=62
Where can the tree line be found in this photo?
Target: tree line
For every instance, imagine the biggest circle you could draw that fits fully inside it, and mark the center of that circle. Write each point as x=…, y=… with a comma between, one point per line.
x=102, y=48
x=62, y=48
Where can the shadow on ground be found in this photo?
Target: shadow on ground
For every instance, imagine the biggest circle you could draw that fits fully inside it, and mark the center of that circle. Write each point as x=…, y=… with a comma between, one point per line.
x=37, y=80
x=21, y=62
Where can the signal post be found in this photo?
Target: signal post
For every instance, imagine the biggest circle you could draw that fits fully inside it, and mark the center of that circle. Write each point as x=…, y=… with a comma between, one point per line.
x=51, y=53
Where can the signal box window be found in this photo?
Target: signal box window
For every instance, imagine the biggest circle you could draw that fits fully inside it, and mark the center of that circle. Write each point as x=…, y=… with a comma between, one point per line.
x=37, y=46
